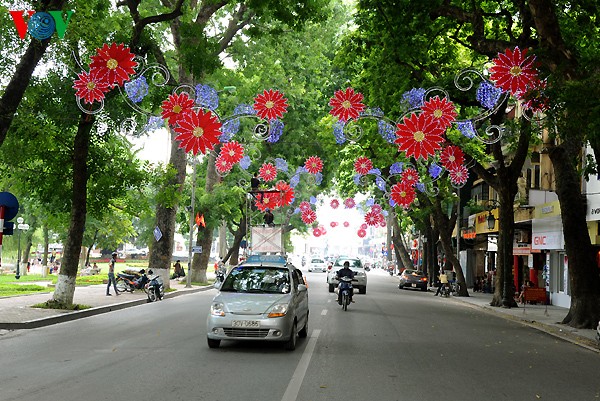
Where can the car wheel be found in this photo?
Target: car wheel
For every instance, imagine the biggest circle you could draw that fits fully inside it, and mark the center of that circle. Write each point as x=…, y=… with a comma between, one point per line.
x=331, y=287
x=362, y=290
x=304, y=332
x=213, y=343
x=400, y=286
x=424, y=288
x=290, y=344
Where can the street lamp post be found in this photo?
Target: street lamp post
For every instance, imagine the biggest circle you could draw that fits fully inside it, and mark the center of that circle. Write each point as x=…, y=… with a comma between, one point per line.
x=20, y=227
x=188, y=282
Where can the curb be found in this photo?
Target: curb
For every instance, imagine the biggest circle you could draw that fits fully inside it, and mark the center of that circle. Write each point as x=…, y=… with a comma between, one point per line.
x=74, y=315
x=554, y=331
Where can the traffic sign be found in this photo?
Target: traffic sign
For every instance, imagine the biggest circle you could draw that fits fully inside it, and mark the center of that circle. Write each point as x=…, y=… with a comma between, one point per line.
x=11, y=204
x=197, y=249
x=23, y=226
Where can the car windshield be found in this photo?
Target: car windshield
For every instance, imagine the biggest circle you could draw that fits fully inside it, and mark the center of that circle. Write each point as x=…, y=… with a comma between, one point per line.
x=353, y=262
x=317, y=261
x=259, y=279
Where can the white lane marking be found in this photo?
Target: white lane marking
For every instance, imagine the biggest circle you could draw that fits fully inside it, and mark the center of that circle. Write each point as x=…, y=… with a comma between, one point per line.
x=323, y=312
x=293, y=387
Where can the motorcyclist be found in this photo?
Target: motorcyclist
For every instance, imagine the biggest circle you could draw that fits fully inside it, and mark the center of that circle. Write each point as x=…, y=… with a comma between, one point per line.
x=345, y=272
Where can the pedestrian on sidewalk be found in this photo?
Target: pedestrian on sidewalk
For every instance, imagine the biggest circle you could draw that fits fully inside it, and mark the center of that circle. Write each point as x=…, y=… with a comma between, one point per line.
x=111, y=274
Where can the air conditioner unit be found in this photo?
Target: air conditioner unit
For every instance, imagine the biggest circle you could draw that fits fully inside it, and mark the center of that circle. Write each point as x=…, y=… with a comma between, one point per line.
x=522, y=236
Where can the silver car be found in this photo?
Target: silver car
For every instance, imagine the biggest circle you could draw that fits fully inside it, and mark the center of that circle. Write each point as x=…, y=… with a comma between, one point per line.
x=265, y=298
x=360, y=275
x=317, y=265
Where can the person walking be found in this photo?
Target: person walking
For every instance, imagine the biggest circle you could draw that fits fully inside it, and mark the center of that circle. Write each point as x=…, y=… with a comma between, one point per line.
x=111, y=275
x=443, y=282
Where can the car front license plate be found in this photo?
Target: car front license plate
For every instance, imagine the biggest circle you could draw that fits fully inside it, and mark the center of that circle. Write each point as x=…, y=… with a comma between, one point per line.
x=250, y=324
x=413, y=285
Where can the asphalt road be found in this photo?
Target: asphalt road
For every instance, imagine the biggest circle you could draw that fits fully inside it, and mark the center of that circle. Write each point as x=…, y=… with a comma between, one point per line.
x=390, y=345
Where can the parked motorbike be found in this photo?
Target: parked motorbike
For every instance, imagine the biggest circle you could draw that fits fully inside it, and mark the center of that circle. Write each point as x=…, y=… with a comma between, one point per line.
x=154, y=288
x=345, y=287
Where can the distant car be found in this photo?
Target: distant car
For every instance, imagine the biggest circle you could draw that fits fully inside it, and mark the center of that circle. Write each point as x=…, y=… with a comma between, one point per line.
x=265, y=298
x=413, y=279
x=317, y=265
x=360, y=275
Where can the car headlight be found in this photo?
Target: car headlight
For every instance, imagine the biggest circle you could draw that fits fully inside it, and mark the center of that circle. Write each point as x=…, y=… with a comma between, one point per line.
x=216, y=309
x=279, y=310
x=360, y=274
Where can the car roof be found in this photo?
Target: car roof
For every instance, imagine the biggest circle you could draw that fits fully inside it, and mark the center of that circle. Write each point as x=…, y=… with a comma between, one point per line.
x=277, y=261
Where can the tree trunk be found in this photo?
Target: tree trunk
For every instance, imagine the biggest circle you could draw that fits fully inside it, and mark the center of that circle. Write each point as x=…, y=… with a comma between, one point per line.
x=65, y=287
x=161, y=251
x=233, y=253
x=584, y=280
x=399, y=247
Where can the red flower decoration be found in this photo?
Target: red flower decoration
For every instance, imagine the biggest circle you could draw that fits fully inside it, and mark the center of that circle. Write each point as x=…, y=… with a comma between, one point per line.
x=361, y=233
x=267, y=172
x=346, y=105
x=223, y=165
x=304, y=206
x=334, y=203
x=376, y=208
x=90, y=87
x=363, y=226
x=232, y=151
x=269, y=200
x=198, y=131
x=286, y=193
x=363, y=165
x=113, y=64
x=442, y=111
x=349, y=203
x=176, y=107
x=410, y=176
x=316, y=232
x=313, y=164
x=382, y=223
x=346, y=224
x=459, y=175
x=309, y=216
x=372, y=218
x=333, y=224
x=512, y=71
x=403, y=194
x=534, y=97
x=322, y=230
x=452, y=157
x=270, y=105
x=419, y=136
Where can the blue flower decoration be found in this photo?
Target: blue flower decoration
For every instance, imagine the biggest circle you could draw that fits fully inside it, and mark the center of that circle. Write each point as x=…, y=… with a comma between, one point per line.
x=392, y=203
x=420, y=187
x=434, y=170
x=136, y=89
x=231, y=127
x=245, y=162
x=385, y=213
x=397, y=168
x=374, y=171
x=338, y=132
x=154, y=123
x=295, y=180
x=318, y=178
x=466, y=128
x=414, y=98
x=487, y=94
x=380, y=183
x=244, y=109
x=370, y=202
x=313, y=200
x=225, y=137
x=297, y=210
x=207, y=97
x=275, y=130
x=357, y=179
x=281, y=164
x=387, y=131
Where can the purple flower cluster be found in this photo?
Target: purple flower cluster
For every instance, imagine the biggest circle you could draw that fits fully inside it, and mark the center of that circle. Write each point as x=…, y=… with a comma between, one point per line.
x=488, y=95
x=396, y=168
x=318, y=178
x=357, y=179
x=245, y=162
x=387, y=131
x=154, y=123
x=380, y=183
x=281, y=164
x=420, y=187
x=434, y=170
x=244, y=109
x=275, y=130
x=207, y=97
x=136, y=89
x=466, y=128
x=414, y=98
x=295, y=180
x=230, y=127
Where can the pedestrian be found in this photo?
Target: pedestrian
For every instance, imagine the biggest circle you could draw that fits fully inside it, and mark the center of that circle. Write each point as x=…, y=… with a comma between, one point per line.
x=269, y=217
x=179, y=272
x=443, y=282
x=111, y=275
x=254, y=183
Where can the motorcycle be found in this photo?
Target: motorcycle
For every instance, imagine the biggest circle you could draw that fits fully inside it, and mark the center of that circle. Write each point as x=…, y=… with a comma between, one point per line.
x=345, y=287
x=129, y=282
x=154, y=288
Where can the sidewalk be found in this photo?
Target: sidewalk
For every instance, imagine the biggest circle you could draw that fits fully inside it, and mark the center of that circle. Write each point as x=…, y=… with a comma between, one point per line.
x=545, y=318
x=16, y=312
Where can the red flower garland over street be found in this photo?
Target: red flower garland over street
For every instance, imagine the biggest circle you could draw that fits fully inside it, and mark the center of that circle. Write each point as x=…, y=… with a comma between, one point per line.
x=403, y=194
x=512, y=71
x=198, y=131
x=304, y=206
x=372, y=218
x=459, y=175
x=270, y=105
x=286, y=193
x=313, y=164
x=113, y=64
x=267, y=172
x=309, y=216
x=441, y=111
x=363, y=165
x=349, y=203
x=269, y=200
x=90, y=87
x=346, y=105
x=419, y=136
x=176, y=107
x=222, y=164
x=410, y=176
x=334, y=203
